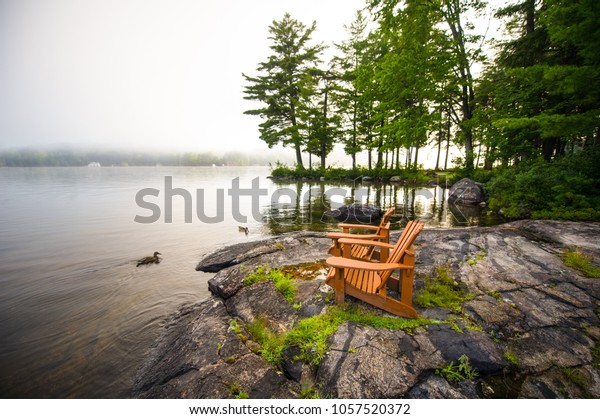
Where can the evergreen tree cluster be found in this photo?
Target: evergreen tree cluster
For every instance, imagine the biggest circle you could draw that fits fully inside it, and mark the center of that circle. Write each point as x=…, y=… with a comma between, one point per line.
x=406, y=77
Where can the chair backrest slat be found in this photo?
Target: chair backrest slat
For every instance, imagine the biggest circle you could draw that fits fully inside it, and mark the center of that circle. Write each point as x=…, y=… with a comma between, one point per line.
x=406, y=239
x=384, y=224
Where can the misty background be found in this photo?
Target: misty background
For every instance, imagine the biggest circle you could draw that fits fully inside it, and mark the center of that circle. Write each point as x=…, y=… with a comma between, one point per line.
x=144, y=76
x=147, y=75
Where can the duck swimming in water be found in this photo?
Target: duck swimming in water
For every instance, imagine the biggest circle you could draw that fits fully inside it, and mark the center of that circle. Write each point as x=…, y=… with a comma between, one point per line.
x=149, y=259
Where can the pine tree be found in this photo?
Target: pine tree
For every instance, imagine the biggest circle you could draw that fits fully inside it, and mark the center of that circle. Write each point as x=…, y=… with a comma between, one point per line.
x=348, y=97
x=545, y=87
x=282, y=81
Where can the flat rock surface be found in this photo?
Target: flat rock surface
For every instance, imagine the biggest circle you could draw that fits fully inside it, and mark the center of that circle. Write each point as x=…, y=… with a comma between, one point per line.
x=530, y=328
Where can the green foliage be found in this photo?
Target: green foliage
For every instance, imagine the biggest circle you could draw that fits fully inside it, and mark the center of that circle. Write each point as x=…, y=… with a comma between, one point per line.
x=583, y=263
x=573, y=375
x=283, y=282
x=235, y=326
x=441, y=291
x=596, y=356
x=479, y=256
x=565, y=189
x=512, y=359
x=309, y=392
x=310, y=334
x=413, y=177
x=237, y=392
x=285, y=85
x=495, y=294
x=271, y=343
x=541, y=97
x=367, y=317
x=461, y=371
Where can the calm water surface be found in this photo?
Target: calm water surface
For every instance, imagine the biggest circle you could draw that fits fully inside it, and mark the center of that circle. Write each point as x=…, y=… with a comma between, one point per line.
x=77, y=317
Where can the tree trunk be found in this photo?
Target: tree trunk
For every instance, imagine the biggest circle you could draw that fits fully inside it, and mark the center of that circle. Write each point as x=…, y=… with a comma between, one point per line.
x=354, y=136
x=325, y=133
x=439, y=150
x=416, y=157
x=467, y=97
x=297, y=141
x=298, y=156
x=548, y=148
x=447, y=147
x=488, y=162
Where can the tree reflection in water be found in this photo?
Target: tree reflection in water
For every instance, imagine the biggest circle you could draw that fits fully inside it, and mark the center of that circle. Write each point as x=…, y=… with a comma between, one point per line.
x=298, y=205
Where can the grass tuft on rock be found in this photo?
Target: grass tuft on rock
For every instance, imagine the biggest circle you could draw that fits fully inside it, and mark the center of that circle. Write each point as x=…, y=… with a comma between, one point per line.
x=442, y=291
x=283, y=282
x=271, y=343
x=583, y=263
x=460, y=371
x=310, y=334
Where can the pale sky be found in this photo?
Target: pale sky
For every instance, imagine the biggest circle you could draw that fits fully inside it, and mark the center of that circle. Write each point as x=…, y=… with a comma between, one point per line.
x=161, y=74
x=166, y=73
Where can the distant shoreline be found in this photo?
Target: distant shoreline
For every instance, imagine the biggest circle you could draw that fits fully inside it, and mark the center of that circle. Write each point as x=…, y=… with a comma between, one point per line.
x=81, y=158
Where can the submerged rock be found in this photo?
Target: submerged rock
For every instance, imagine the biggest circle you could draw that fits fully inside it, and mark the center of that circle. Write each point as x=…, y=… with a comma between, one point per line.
x=356, y=213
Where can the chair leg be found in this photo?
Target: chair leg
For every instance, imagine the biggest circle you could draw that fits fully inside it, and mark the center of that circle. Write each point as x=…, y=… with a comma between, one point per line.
x=407, y=277
x=338, y=286
x=407, y=284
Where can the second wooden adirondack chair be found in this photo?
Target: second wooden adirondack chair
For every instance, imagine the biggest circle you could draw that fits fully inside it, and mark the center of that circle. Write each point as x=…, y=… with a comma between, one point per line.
x=379, y=233
x=369, y=281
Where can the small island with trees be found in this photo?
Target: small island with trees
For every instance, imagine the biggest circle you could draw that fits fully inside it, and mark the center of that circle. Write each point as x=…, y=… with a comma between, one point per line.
x=525, y=114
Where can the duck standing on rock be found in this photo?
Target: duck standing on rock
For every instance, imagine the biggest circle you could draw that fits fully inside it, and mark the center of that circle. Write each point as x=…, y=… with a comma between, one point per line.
x=149, y=259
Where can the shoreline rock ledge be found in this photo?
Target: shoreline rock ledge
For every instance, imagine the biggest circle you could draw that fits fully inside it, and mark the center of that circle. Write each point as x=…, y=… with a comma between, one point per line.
x=531, y=328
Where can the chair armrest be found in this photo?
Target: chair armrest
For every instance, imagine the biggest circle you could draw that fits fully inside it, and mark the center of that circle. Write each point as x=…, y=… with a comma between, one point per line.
x=361, y=226
x=340, y=262
x=354, y=236
x=366, y=242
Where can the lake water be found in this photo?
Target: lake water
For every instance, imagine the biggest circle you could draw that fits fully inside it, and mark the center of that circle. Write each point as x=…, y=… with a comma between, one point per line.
x=77, y=317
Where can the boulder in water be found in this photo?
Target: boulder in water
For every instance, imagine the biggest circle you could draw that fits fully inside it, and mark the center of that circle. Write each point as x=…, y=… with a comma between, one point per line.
x=354, y=213
x=466, y=192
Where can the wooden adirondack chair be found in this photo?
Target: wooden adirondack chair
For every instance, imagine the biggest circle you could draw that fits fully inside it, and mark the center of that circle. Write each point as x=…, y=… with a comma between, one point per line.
x=369, y=281
x=380, y=233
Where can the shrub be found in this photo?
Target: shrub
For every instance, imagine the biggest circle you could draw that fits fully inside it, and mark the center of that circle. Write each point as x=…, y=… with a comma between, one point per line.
x=563, y=189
